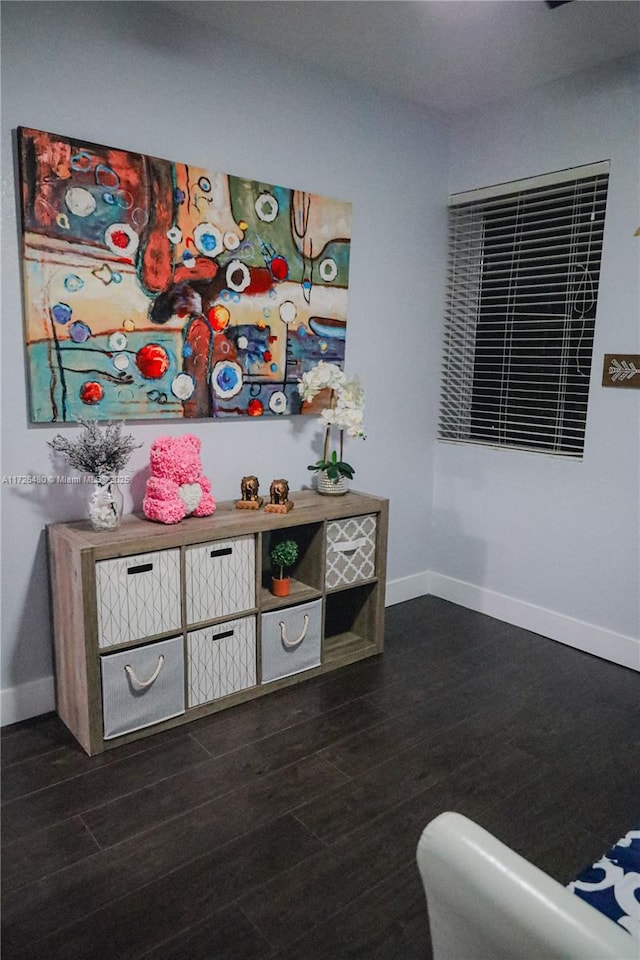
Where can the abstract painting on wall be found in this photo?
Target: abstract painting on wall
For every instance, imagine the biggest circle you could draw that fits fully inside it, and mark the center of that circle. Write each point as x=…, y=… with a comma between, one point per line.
x=156, y=289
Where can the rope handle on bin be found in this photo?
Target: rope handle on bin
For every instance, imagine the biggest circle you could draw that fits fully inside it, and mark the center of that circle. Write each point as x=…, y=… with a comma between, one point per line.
x=344, y=546
x=292, y=644
x=143, y=684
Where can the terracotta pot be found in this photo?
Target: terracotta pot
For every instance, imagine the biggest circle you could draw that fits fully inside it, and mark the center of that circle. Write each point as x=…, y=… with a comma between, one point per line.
x=280, y=588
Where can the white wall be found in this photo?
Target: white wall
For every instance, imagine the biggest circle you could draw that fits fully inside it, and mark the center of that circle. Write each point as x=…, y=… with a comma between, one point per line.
x=136, y=76
x=520, y=535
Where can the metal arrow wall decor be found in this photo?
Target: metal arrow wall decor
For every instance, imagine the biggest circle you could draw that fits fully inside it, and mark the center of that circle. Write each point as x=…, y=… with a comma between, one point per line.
x=621, y=370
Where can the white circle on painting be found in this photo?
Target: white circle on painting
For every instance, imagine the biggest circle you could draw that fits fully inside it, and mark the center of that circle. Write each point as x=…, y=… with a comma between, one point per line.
x=174, y=234
x=288, y=311
x=121, y=239
x=278, y=402
x=231, y=240
x=121, y=361
x=266, y=206
x=226, y=379
x=243, y=343
x=183, y=386
x=80, y=201
x=328, y=269
x=117, y=341
x=208, y=239
x=238, y=276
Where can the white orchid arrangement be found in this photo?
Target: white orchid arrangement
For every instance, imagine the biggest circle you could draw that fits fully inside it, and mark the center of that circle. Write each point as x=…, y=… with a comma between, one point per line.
x=345, y=412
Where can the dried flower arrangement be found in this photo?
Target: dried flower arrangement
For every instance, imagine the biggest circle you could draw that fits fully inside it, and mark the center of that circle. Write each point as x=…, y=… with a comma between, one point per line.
x=103, y=454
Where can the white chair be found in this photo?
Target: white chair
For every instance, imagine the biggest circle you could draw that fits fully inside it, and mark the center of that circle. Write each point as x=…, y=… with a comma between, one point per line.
x=485, y=902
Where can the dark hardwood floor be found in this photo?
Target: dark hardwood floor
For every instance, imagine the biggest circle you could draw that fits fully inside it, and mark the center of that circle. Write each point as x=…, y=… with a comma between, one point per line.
x=286, y=828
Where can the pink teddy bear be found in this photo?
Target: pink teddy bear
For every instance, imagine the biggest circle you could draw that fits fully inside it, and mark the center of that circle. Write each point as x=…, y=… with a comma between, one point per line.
x=176, y=487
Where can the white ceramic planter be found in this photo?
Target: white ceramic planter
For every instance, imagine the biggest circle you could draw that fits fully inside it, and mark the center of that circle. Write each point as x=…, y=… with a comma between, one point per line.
x=327, y=487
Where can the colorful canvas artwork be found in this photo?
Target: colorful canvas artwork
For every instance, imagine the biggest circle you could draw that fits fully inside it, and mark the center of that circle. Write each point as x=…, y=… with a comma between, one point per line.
x=156, y=289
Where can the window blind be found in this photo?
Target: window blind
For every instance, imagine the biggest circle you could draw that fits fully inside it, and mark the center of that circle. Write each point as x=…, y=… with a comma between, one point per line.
x=523, y=273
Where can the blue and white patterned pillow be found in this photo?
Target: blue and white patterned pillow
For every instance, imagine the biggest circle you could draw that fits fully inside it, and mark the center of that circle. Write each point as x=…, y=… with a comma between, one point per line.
x=612, y=885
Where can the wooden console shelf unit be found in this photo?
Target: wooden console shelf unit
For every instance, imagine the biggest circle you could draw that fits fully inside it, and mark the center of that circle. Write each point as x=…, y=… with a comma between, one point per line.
x=156, y=625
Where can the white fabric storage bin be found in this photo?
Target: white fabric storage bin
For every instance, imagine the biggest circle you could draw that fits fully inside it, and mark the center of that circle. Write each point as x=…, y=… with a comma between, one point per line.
x=138, y=596
x=142, y=686
x=222, y=660
x=351, y=550
x=291, y=640
x=220, y=578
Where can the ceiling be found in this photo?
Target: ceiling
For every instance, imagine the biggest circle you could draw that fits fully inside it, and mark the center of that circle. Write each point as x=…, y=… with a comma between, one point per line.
x=450, y=55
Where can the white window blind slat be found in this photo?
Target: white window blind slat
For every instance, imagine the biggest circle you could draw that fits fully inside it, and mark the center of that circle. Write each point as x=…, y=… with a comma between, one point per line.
x=540, y=417
x=546, y=253
x=548, y=219
x=551, y=182
x=523, y=275
x=549, y=212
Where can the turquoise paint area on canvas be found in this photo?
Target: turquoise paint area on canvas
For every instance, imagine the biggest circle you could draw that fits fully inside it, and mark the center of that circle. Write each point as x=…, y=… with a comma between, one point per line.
x=127, y=393
x=338, y=252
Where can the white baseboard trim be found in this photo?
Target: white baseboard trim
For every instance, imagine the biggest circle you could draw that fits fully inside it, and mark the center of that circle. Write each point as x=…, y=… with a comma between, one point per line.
x=28, y=700
x=38, y=696
x=407, y=588
x=616, y=647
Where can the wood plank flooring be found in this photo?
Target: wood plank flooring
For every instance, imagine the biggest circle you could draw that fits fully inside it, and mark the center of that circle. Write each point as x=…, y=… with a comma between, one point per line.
x=286, y=828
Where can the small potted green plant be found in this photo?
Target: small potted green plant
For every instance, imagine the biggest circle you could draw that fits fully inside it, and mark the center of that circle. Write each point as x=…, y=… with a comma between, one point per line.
x=334, y=469
x=283, y=555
